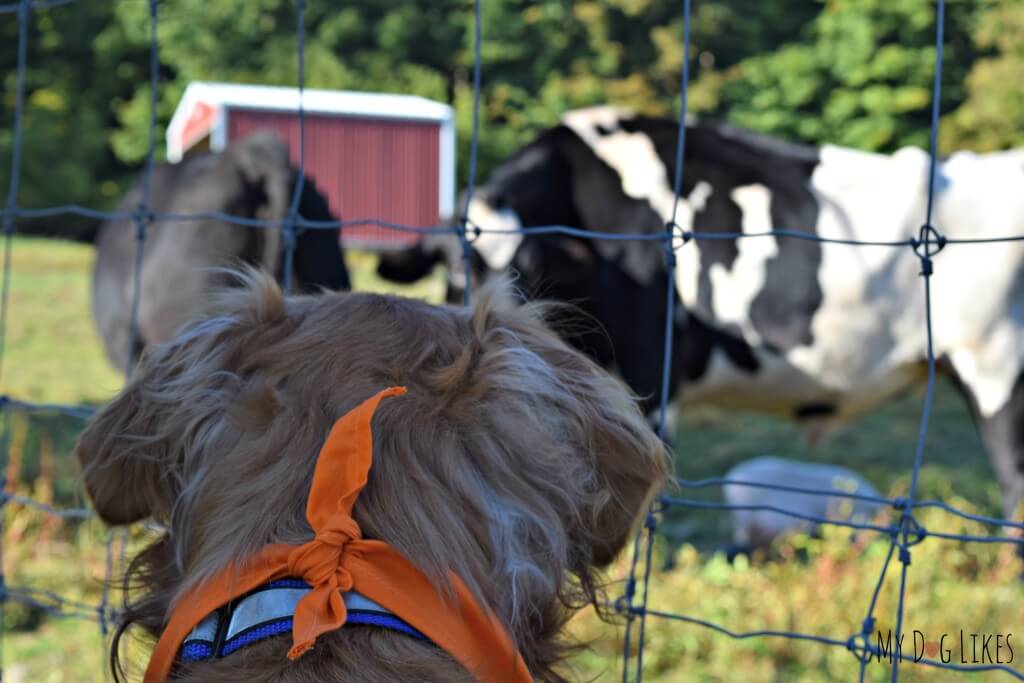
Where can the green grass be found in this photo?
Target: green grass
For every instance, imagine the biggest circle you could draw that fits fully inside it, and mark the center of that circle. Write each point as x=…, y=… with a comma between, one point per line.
x=53, y=355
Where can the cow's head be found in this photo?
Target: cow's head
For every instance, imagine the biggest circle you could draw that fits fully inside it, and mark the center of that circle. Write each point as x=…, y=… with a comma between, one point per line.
x=531, y=188
x=268, y=181
x=443, y=247
x=261, y=161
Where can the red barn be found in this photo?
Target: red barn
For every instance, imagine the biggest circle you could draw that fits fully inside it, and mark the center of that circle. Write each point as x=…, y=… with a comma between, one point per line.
x=374, y=155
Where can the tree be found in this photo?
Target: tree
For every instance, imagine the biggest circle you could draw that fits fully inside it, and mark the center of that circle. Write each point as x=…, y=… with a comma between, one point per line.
x=992, y=115
x=862, y=78
x=69, y=90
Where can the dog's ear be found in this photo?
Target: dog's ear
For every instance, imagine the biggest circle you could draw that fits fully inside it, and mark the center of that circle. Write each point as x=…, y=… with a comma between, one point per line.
x=601, y=432
x=122, y=453
x=630, y=463
x=132, y=453
x=632, y=470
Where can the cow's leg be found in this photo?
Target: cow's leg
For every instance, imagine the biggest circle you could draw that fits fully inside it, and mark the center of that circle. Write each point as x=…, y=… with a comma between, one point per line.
x=1003, y=434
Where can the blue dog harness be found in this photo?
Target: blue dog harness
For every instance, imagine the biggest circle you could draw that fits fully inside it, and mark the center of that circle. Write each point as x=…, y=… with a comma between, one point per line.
x=267, y=612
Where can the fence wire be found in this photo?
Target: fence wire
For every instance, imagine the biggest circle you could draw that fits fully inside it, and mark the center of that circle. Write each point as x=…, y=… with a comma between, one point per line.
x=904, y=533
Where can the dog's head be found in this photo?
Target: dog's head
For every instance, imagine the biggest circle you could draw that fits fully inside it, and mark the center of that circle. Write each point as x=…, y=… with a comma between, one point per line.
x=513, y=460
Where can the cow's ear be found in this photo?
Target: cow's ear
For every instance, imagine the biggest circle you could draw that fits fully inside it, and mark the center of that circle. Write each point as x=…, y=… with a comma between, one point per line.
x=640, y=260
x=262, y=160
x=576, y=251
x=408, y=265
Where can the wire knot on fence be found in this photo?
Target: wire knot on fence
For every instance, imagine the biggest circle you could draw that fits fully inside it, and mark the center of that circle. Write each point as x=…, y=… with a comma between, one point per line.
x=927, y=245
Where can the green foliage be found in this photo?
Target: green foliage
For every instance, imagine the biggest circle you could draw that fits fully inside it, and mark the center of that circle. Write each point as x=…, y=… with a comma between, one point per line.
x=992, y=115
x=821, y=587
x=862, y=77
x=72, y=86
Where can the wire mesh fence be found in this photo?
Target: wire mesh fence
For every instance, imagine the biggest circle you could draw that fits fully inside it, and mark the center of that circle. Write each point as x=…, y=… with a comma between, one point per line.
x=903, y=534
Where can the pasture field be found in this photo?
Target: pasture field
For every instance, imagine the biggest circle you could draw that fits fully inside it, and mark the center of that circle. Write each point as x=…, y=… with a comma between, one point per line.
x=53, y=355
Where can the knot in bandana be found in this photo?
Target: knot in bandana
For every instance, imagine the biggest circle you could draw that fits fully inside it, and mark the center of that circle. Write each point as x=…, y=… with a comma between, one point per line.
x=321, y=563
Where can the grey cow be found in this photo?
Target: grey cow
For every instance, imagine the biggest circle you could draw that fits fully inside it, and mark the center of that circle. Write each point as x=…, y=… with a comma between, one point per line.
x=251, y=179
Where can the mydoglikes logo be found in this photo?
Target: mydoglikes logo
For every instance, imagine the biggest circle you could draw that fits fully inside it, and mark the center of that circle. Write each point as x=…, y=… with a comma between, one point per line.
x=962, y=647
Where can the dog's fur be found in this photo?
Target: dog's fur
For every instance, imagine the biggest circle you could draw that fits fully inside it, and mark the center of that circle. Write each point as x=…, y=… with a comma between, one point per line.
x=513, y=460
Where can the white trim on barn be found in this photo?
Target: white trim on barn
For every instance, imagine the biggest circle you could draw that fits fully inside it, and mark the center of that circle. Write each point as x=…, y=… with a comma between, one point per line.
x=446, y=172
x=221, y=97
x=218, y=132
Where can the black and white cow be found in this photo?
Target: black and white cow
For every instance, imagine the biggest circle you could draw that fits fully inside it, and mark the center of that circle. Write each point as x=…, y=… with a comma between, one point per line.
x=253, y=178
x=816, y=332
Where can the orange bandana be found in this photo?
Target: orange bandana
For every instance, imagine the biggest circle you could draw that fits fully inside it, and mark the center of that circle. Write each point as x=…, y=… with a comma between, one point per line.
x=339, y=560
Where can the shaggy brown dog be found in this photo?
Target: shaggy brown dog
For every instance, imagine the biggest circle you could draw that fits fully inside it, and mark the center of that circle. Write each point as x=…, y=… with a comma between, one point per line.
x=513, y=461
